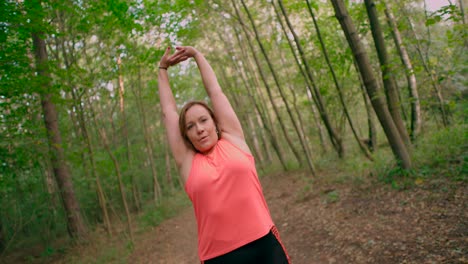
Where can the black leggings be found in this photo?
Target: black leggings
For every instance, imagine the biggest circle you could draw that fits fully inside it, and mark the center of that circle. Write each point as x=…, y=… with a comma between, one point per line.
x=266, y=250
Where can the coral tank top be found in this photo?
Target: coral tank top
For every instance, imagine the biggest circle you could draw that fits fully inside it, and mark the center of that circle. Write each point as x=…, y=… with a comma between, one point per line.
x=227, y=199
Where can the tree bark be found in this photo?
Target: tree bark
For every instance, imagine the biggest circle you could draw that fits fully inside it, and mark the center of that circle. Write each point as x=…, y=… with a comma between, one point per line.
x=125, y=133
x=75, y=224
x=391, y=89
x=432, y=75
x=105, y=144
x=462, y=12
x=416, y=120
x=308, y=90
x=334, y=138
x=371, y=129
x=167, y=159
x=275, y=77
x=157, y=194
x=80, y=117
x=363, y=148
x=396, y=143
x=270, y=128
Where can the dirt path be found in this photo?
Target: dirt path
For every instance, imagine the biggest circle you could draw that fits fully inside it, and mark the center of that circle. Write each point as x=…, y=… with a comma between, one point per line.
x=335, y=221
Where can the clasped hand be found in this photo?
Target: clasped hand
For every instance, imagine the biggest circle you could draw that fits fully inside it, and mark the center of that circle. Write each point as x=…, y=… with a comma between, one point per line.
x=182, y=53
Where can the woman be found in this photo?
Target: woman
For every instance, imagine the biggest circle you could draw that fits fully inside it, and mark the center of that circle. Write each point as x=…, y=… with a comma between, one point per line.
x=218, y=170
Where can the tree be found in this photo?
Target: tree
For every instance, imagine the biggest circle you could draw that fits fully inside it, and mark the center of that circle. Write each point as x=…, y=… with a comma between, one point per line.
x=76, y=227
x=334, y=138
x=270, y=66
x=390, y=86
x=363, y=147
x=409, y=73
x=396, y=143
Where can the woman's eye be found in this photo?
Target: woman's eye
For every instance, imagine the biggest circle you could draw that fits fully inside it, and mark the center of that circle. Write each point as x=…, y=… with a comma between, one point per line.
x=189, y=127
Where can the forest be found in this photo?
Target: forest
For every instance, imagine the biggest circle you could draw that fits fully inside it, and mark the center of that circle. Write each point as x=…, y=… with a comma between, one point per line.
x=343, y=103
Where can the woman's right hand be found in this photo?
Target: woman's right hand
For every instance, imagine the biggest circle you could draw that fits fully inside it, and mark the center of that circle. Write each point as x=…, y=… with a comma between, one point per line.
x=182, y=53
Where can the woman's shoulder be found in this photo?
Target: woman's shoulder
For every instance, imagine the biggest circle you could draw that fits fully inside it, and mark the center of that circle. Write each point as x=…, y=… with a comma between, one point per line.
x=236, y=142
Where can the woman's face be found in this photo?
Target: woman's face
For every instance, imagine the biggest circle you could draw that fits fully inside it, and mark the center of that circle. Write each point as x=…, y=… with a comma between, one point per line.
x=201, y=128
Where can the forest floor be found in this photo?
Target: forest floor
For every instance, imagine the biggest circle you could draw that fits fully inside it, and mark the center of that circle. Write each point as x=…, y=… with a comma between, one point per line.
x=332, y=218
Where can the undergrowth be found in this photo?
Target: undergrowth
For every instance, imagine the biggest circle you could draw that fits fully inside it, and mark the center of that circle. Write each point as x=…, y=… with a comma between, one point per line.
x=435, y=155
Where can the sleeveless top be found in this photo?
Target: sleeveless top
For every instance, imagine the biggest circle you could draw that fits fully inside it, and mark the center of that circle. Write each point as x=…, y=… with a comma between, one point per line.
x=227, y=199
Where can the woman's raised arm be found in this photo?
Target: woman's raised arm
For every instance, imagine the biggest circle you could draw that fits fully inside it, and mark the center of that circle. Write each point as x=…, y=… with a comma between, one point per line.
x=169, y=111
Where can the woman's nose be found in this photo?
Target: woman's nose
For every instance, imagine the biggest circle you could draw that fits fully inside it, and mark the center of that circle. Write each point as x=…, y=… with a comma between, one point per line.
x=200, y=128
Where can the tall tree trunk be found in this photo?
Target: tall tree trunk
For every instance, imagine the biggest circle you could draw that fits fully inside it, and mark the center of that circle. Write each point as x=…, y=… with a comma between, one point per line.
x=2, y=238
x=308, y=90
x=105, y=144
x=300, y=121
x=250, y=79
x=462, y=12
x=363, y=147
x=335, y=139
x=122, y=112
x=432, y=75
x=371, y=141
x=391, y=89
x=125, y=132
x=82, y=128
x=157, y=194
x=275, y=77
x=409, y=73
x=75, y=224
x=167, y=159
x=275, y=108
x=396, y=143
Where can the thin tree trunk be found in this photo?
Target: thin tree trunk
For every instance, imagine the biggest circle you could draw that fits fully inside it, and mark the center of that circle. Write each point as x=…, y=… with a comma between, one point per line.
x=363, y=147
x=75, y=224
x=302, y=133
x=2, y=238
x=257, y=37
x=250, y=79
x=310, y=96
x=261, y=114
x=82, y=128
x=371, y=141
x=432, y=75
x=257, y=123
x=122, y=112
x=409, y=73
x=335, y=139
x=362, y=60
x=391, y=89
x=157, y=194
x=270, y=128
x=462, y=12
x=167, y=158
x=125, y=132
x=105, y=144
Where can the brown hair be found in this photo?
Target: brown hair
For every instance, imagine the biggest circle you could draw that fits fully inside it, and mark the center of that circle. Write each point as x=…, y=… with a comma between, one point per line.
x=183, y=128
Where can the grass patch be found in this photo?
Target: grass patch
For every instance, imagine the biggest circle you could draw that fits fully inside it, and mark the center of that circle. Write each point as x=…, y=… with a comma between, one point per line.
x=443, y=153
x=168, y=207
x=331, y=196
x=439, y=154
